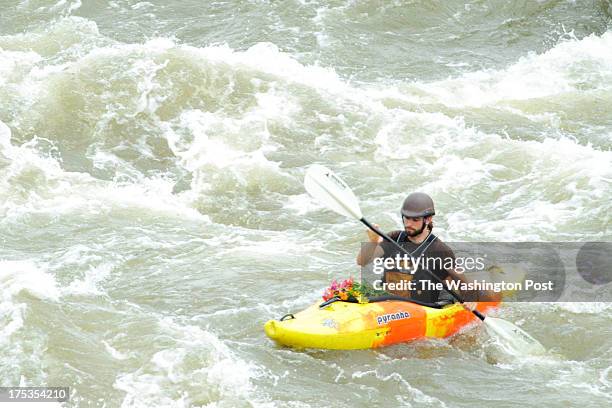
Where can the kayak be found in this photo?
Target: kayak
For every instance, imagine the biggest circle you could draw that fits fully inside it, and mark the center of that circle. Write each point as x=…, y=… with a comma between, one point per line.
x=347, y=326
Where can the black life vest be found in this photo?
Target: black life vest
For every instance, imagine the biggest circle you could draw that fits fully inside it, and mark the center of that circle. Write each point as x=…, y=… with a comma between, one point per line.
x=426, y=296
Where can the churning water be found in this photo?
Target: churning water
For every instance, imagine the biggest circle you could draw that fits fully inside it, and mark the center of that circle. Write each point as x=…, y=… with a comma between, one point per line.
x=152, y=214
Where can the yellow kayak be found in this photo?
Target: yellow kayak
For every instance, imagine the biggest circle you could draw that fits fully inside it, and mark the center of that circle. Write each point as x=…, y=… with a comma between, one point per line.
x=345, y=326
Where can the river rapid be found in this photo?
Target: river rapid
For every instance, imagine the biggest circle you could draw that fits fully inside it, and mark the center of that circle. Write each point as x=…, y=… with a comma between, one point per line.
x=153, y=217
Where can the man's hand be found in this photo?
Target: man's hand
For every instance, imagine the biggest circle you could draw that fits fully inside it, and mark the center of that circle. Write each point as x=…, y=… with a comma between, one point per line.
x=374, y=237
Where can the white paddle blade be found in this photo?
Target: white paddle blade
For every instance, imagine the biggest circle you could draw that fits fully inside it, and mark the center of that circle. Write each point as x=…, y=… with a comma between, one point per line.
x=512, y=338
x=331, y=190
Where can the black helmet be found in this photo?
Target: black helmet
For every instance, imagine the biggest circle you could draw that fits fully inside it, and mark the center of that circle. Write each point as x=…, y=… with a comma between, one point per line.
x=418, y=205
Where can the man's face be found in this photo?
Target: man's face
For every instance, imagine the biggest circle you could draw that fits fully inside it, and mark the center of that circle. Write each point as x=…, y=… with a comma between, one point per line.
x=415, y=225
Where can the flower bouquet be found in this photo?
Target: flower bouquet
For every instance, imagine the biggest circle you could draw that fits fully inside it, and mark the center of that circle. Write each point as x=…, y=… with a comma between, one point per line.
x=350, y=291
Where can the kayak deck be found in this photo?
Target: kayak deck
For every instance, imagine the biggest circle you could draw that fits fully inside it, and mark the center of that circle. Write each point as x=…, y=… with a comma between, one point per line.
x=346, y=326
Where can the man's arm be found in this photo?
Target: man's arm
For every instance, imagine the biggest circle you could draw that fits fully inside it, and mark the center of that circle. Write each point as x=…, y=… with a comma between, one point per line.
x=368, y=252
x=372, y=249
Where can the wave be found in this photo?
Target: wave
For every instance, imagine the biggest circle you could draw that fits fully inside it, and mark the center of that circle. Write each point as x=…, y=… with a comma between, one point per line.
x=220, y=377
x=212, y=128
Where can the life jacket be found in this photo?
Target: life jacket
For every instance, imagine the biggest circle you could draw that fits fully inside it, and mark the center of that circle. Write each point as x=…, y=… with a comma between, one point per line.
x=397, y=276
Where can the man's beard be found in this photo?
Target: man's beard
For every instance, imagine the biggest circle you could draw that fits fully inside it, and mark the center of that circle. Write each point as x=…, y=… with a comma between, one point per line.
x=418, y=232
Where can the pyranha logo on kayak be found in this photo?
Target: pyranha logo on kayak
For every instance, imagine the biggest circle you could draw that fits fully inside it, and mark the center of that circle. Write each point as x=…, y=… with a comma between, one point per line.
x=392, y=316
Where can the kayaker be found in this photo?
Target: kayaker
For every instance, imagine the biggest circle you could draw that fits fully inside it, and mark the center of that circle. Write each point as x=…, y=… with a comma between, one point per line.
x=417, y=238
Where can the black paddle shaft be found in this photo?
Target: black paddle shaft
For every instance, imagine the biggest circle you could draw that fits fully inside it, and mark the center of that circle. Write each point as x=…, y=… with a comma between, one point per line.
x=398, y=246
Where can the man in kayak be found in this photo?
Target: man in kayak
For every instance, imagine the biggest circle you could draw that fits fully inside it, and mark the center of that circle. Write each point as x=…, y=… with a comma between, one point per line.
x=423, y=246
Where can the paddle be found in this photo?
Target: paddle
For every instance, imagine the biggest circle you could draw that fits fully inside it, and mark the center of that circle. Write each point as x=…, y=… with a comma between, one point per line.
x=324, y=185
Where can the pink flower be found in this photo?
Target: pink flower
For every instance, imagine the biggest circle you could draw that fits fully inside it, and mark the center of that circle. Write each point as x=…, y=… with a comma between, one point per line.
x=327, y=294
x=334, y=285
x=343, y=290
x=347, y=283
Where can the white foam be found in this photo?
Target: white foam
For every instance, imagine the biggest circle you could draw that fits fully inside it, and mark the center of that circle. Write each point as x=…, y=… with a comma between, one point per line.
x=34, y=184
x=226, y=152
x=142, y=5
x=116, y=354
x=302, y=204
x=206, y=149
x=462, y=161
x=577, y=376
x=237, y=145
x=15, y=64
x=570, y=65
x=266, y=58
x=5, y=144
x=90, y=283
x=223, y=379
x=597, y=308
x=66, y=6
x=15, y=277
x=418, y=395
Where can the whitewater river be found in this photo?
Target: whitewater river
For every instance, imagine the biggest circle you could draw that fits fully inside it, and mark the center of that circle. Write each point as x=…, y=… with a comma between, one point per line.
x=153, y=216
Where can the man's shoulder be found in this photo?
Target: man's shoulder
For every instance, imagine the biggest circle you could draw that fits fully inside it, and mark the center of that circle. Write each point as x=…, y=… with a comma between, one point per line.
x=439, y=246
x=387, y=246
x=394, y=235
